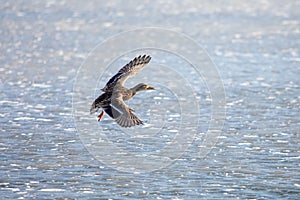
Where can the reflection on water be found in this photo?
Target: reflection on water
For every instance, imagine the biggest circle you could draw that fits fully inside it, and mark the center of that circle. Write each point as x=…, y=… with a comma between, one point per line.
x=256, y=48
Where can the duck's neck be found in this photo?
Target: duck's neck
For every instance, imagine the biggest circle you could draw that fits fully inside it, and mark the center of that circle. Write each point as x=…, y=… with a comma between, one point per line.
x=135, y=89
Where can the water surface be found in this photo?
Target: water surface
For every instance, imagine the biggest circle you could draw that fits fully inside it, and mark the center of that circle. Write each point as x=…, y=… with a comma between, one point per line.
x=256, y=49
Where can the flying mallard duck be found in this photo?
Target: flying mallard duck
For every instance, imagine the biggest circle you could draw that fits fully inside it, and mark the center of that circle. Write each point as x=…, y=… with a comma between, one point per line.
x=112, y=101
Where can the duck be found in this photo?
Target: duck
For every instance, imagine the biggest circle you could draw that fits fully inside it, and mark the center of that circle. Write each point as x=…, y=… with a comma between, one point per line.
x=112, y=100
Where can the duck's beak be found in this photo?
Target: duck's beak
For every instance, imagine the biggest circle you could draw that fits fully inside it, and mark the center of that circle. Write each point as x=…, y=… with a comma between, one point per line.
x=150, y=88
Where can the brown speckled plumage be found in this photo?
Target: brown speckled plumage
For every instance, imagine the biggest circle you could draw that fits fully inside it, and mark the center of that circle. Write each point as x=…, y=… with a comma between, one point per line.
x=112, y=100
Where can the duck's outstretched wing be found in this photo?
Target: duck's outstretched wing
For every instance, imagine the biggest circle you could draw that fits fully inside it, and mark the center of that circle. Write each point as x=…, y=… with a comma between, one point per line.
x=122, y=113
x=129, y=70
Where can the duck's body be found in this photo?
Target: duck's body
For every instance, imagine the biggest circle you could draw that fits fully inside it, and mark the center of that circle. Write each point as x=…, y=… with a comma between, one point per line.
x=112, y=101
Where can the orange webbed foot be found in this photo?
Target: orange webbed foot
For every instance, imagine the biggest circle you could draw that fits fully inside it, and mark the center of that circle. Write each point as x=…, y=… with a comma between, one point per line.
x=100, y=116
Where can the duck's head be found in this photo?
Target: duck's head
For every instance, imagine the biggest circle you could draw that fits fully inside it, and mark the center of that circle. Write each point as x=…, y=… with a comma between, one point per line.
x=142, y=86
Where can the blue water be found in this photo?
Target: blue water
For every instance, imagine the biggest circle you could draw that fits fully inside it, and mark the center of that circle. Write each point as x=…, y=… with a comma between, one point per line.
x=255, y=46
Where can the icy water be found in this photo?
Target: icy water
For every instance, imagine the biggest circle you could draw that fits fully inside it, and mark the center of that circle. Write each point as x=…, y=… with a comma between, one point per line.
x=255, y=46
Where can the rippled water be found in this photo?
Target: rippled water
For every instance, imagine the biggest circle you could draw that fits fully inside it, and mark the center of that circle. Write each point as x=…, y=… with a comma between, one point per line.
x=255, y=46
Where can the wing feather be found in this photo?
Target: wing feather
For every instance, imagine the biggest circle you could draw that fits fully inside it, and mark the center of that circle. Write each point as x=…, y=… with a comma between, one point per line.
x=129, y=70
x=126, y=117
x=102, y=101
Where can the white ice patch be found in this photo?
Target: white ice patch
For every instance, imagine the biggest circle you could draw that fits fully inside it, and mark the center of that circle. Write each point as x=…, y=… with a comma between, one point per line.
x=52, y=190
x=41, y=85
